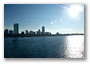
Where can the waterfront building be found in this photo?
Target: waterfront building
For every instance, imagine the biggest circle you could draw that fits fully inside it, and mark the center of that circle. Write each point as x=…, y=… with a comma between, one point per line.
x=6, y=31
x=16, y=28
x=10, y=31
x=38, y=32
x=26, y=31
x=43, y=30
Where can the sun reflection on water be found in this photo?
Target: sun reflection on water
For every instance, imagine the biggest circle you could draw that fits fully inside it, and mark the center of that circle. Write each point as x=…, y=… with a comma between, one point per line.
x=75, y=47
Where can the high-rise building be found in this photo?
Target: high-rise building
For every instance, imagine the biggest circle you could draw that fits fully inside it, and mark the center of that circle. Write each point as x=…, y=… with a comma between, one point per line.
x=16, y=28
x=43, y=30
x=26, y=31
x=38, y=32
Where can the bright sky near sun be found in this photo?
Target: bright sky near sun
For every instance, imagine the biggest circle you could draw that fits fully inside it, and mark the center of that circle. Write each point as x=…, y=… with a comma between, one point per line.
x=62, y=18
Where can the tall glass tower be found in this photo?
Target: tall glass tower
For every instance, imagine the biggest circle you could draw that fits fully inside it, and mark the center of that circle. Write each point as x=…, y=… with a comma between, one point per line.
x=43, y=29
x=16, y=28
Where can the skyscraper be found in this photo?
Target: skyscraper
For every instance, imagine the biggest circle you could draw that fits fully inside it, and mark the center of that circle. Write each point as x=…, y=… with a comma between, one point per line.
x=43, y=30
x=26, y=31
x=16, y=28
x=38, y=32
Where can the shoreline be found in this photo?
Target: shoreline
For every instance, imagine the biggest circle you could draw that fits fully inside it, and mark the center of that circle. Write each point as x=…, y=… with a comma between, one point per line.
x=42, y=35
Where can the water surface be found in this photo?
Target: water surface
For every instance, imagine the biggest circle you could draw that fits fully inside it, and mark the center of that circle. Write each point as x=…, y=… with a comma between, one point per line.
x=45, y=47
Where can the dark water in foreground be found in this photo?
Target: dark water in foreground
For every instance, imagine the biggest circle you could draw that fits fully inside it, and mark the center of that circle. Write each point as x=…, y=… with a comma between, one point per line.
x=45, y=47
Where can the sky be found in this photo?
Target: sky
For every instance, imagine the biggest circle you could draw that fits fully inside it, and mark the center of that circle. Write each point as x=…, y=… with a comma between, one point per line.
x=62, y=18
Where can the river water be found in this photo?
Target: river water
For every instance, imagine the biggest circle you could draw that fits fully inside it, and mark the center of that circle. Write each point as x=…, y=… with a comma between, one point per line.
x=44, y=47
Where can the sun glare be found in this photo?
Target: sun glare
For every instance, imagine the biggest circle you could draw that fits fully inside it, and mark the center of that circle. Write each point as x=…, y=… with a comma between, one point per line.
x=74, y=10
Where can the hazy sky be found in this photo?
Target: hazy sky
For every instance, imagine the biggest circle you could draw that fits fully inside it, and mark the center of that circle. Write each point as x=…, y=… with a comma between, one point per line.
x=62, y=18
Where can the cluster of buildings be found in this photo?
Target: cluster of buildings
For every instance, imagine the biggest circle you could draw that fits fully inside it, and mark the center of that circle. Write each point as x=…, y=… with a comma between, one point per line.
x=15, y=31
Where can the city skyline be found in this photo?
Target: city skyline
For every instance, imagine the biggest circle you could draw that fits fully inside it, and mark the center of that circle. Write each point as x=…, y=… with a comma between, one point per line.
x=41, y=31
x=55, y=17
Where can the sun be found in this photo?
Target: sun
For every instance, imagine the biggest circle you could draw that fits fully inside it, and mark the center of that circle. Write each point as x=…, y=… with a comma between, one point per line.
x=74, y=10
